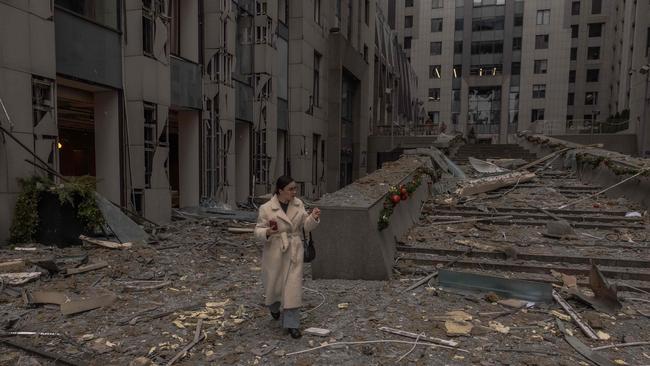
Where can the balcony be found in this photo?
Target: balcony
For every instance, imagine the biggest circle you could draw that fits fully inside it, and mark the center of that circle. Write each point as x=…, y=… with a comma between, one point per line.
x=186, y=84
x=87, y=50
x=402, y=130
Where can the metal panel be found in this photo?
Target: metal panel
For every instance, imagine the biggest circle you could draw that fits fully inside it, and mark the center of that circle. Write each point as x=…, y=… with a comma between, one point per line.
x=185, y=84
x=505, y=287
x=87, y=51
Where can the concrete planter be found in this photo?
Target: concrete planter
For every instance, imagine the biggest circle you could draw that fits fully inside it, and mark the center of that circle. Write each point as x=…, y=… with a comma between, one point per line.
x=348, y=242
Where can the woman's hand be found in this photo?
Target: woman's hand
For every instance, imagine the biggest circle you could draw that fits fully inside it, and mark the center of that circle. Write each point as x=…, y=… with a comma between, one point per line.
x=270, y=231
x=315, y=213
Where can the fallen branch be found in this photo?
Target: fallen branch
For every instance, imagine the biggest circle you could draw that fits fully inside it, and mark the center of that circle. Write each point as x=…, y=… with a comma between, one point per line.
x=197, y=338
x=412, y=348
x=517, y=350
x=372, y=342
x=421, y=336
x=586, y=329
x=621, y=345
x=545, y=158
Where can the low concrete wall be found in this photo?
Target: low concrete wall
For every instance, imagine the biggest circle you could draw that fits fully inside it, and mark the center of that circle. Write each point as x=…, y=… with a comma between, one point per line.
x=597, y=166
x=622, y=143
x=348, y=242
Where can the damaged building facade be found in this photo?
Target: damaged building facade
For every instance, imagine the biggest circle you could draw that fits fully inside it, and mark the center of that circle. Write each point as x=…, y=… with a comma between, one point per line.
x=173, y=103
x=502, y=66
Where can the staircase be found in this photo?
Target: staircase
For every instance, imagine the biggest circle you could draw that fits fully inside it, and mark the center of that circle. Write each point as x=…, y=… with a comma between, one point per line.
x=491, y=151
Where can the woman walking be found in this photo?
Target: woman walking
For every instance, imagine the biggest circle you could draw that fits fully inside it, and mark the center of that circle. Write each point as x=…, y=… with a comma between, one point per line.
x=281, y=224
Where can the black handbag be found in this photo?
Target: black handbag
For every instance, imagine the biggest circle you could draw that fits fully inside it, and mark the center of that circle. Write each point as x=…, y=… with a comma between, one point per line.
x=309, y=249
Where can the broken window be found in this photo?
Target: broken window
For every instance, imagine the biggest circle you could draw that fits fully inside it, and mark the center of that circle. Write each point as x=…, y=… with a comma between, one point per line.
x=262, y=32
x=263, y=84
x=147, y=34
x=316, y=86
x=174, y=27
x=41, y=98
x=261, y=159
x=260, y=7
x=105, y=12
x=150, y=139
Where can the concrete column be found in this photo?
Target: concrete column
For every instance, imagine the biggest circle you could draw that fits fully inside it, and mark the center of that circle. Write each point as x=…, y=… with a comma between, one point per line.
x=107, y=144
x=242, y=151
x=188, y=158
x=189, y=37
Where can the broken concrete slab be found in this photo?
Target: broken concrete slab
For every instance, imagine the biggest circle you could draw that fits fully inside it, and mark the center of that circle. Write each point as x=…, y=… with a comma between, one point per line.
x=121, y=225
x=483, y=166
x=504, y=287
x=320, y=332
x=19, y=278
x=559, y=230
x=487, y=184
x=16, y=265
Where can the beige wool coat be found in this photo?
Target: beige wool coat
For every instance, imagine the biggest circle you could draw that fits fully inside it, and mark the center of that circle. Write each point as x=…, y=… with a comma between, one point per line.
x=282, y=258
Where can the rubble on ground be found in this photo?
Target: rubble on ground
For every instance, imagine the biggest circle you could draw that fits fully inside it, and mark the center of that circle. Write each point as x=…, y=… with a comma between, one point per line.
x=192, y=293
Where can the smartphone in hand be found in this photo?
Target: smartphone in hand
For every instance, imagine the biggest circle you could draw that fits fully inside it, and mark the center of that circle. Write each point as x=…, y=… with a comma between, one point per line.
x=273, y=225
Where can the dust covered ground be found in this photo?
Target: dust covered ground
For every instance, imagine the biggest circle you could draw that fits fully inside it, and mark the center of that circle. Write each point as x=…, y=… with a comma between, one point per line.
x=215, y=275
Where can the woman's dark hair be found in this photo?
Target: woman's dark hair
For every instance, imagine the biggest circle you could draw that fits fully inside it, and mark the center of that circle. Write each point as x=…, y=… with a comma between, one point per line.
x=282, y=182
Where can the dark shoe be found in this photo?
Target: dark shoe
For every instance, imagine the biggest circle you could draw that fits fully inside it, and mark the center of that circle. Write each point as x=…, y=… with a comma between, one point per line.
x=295, y=333
x=275, y=316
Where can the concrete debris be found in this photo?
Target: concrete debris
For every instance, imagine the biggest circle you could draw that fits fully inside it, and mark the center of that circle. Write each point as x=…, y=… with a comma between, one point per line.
x=567, y=280
x=104, y=243
x=508, y=164
x=482, y=166
x=17, y=265
x=559, y=230
x=456, y=328
x=487, y=184
x=499, y=327
x=317, y=331
x=20, y=278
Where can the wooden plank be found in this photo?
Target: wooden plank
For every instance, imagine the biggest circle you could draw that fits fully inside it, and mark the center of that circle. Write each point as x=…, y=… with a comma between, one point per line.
x=87, y=268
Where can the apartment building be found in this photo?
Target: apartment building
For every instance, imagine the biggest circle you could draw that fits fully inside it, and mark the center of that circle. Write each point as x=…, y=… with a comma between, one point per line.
x=175, y=103
x=498, y=66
